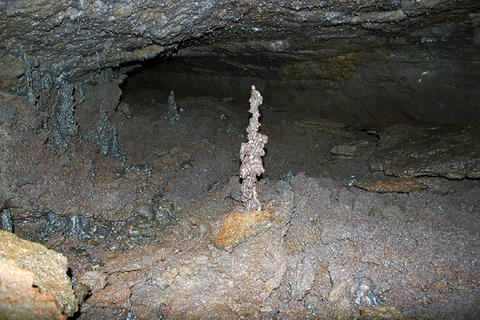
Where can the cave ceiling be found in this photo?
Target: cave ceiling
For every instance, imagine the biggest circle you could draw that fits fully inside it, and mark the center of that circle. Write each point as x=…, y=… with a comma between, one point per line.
x=72, y=40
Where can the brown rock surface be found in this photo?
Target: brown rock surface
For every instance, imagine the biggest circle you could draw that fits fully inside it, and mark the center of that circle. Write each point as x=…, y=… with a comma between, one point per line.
x=323, y=236
x=381, y=312
x=419, y=248
x=134, y=201
x=239, y=226
x=48, y=269
x=418, y=149
x=20, y=299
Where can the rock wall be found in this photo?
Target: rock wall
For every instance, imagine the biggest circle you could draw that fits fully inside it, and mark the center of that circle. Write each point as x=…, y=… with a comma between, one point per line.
x=49, y=49
x=61, y=64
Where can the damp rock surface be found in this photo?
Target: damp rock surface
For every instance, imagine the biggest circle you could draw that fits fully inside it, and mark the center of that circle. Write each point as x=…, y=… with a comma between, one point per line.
x=95, y=162
x=141, y=30
x=411, y=149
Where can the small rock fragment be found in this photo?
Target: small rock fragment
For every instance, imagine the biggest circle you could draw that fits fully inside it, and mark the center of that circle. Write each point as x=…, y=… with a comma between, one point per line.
x=95, y=280
x=340, y=304
x=81, y=291
x=6, y=220
x=146, y=210
x=240, y=226
x=345, y=150
x=366, y=292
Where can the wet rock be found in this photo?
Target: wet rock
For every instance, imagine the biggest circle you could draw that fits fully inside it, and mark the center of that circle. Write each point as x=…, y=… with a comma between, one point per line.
x=70, y=225
x=64, y=123
x=134, y=172
x=240, y=226
x=78, y=226
x=287, y=176
x=141, y=228
x=104, y=135
x=48, y=267
x=102, y=231
x=20, y=296
x=172, y=112
x=365, y=292
x=146, y=210
x=6, y=220
x=413, y=149
x=165, y=211
x=54, y=224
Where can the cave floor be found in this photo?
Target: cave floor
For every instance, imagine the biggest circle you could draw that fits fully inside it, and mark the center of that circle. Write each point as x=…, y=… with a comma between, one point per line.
x=328, y=244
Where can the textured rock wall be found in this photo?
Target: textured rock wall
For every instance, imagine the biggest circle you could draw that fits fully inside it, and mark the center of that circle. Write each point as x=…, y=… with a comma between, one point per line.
x=299, y=49
x=352, y=61
x=47, y=43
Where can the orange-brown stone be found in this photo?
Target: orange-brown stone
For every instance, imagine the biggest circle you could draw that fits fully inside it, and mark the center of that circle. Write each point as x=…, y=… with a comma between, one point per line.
x=240, y=226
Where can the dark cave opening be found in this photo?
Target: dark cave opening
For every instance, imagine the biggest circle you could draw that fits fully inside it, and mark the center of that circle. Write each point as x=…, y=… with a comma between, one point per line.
x=327, y=108
x=397, y=83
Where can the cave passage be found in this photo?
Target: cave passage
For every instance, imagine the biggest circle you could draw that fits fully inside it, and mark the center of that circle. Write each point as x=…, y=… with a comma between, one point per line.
x=120, y=132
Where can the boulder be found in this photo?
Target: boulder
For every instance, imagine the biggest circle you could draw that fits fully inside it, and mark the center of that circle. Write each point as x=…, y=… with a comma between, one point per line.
x=39, y=275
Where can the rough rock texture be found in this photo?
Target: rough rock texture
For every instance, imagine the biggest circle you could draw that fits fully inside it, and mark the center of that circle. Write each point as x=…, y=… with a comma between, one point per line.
x=363, y=60
x=391, y=186
x=324, y=236
x=19, y=299
x=48, y=271
x=239, y=226
x=71, y=38
x=158, y=258
x=135, y=199
x=410, y=149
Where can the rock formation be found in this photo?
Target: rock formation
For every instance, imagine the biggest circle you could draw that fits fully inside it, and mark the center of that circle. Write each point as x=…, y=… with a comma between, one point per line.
x=418, y=49
x=251, y=154
x=66, y=180
x=33, y=264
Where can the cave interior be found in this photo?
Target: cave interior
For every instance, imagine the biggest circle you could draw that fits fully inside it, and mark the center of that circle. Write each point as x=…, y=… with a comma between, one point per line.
x=121, y=126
